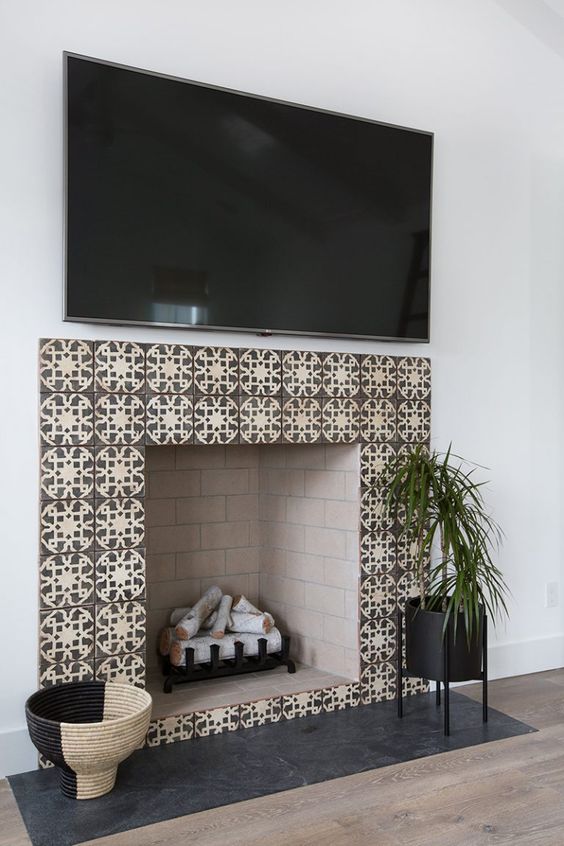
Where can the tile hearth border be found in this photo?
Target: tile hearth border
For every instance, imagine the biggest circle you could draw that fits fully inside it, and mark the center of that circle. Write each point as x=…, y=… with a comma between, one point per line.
x=102, y=402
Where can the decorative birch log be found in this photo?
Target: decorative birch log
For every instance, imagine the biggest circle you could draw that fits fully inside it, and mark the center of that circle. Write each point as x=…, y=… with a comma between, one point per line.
x=166, y=639
x=252, y=623
x=241, y=603
x=177, y=614
x=192, y=622
x=218, y=629
x=201, y=646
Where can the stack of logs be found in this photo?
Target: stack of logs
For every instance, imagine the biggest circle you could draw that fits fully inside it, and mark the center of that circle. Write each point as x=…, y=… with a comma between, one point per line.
x=212, y=619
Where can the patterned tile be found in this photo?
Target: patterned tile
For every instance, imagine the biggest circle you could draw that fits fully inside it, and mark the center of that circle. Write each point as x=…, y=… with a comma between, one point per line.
x=169, y=419
x=170, y=730
x=373, y=459
x=62, y=673
x=216, y=721
x=120, y=419
x=412, y=686
x=120, y=627
x=407, y=587
x=66, y=419
x=407, y=553
x=66, y=580
x=260, y=420
x=120, y=471
x=67, y=526
x=378, y=376
x=216, y=420
x=374, y=514
x=120, y=523
x=120, y=575
x=119, y=367
x=377, y=421
x=66, y=365
x=378, y=640
x=414, y=378
x=124, y=669
x=301, y=373
x=261, y=712
x=66, y=635
x=169, y=369
x=305, y=704
x=67, y=472
x=378, y=553
x=216, y=370
x=377, y=596
x=414, y=421
x=340, y=423
x=341, y=375
x=378, y=682
x=260, y=373
x=341, y=696
x=301, y=421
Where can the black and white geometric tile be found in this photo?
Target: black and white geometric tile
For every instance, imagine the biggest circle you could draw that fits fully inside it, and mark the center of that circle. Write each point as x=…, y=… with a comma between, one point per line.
x=302, y=373
x=120, y=575
x=120, y=628
x=378, y=376
x=66, y=366
x=120, y=419
x=301, y=421
x=216, y=420
x=340, y=421
x=67, y=526
x=304, y=704
x=120, y=523
x=169, y=369
x=261, y=713
x=124, y=669
x=341, y=375
x=120, y=472
x=414, y=378
x=66, y=419
x=216, y=721
x=378, y=421
x=216, y=370
x=169, y=419
x=119, y=367
x=414, y=421
x=66, y=635
x=67, y=472
x=260, y=373
x=260, y=420
x=66, y=580
x=171, y=730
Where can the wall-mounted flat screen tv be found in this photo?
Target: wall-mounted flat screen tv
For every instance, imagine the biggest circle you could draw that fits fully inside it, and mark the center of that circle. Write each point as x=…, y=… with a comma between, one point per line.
x=191, y=205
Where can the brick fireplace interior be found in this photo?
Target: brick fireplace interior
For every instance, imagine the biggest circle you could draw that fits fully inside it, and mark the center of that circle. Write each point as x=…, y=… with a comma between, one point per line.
x=277, y=523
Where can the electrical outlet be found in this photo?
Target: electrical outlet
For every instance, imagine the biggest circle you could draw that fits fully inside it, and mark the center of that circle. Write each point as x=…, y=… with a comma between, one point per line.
x=552, y=599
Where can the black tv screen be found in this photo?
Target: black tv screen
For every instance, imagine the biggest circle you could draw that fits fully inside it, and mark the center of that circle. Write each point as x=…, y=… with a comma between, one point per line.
x=191, y=205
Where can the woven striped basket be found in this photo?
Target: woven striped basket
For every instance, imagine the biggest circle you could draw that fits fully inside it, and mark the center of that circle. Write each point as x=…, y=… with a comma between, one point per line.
x=86, y=729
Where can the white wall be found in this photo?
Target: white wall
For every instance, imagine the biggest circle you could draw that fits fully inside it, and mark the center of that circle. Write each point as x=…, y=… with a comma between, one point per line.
x=492, y=94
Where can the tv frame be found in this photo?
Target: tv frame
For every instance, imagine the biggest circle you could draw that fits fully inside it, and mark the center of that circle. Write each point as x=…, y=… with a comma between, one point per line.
x=264, y=332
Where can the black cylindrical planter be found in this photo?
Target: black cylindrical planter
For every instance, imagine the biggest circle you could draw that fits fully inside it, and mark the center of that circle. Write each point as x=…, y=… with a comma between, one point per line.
x=425, y=645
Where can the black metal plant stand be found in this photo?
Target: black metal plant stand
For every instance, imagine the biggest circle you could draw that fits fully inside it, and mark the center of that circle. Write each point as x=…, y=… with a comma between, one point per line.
x=401, y=674
x=218, y=667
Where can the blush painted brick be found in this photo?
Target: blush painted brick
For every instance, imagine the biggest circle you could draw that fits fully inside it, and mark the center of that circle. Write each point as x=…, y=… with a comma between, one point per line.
x=305, y=510
x=321, y=541
x=225, y=481
x=173, y=538
x=160, y=512
x=200, y=564
x=242, y=507
x=171, y=484
x=200, y=509
x=224, y=535
x=327, y=484
x=324, y=598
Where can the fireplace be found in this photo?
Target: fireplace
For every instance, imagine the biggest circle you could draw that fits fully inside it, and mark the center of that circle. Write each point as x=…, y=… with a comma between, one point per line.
x=113, y=412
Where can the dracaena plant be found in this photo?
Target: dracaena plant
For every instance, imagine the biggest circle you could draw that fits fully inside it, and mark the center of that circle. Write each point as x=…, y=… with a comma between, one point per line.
x=440, y=507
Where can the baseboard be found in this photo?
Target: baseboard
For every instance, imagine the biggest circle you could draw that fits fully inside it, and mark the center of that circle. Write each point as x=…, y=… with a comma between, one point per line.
x=519, y=657
x=17, y=753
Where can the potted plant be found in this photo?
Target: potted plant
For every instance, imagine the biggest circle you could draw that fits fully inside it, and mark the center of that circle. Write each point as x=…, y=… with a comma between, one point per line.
x=440, y=507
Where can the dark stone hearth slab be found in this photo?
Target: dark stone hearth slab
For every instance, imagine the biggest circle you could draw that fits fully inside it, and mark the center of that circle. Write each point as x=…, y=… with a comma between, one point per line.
x=182, y=778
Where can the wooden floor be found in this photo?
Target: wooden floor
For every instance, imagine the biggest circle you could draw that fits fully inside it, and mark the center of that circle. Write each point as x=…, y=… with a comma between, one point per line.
x=506, y=792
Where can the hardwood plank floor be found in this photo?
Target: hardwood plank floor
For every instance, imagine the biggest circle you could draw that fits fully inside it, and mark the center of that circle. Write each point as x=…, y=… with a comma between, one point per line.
x=507, y=792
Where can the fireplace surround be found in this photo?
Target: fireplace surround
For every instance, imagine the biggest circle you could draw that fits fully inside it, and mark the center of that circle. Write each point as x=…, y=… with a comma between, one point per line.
x=104, y=402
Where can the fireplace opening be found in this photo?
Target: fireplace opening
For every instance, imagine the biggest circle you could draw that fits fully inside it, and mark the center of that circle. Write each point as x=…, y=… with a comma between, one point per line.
x=278, y=524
